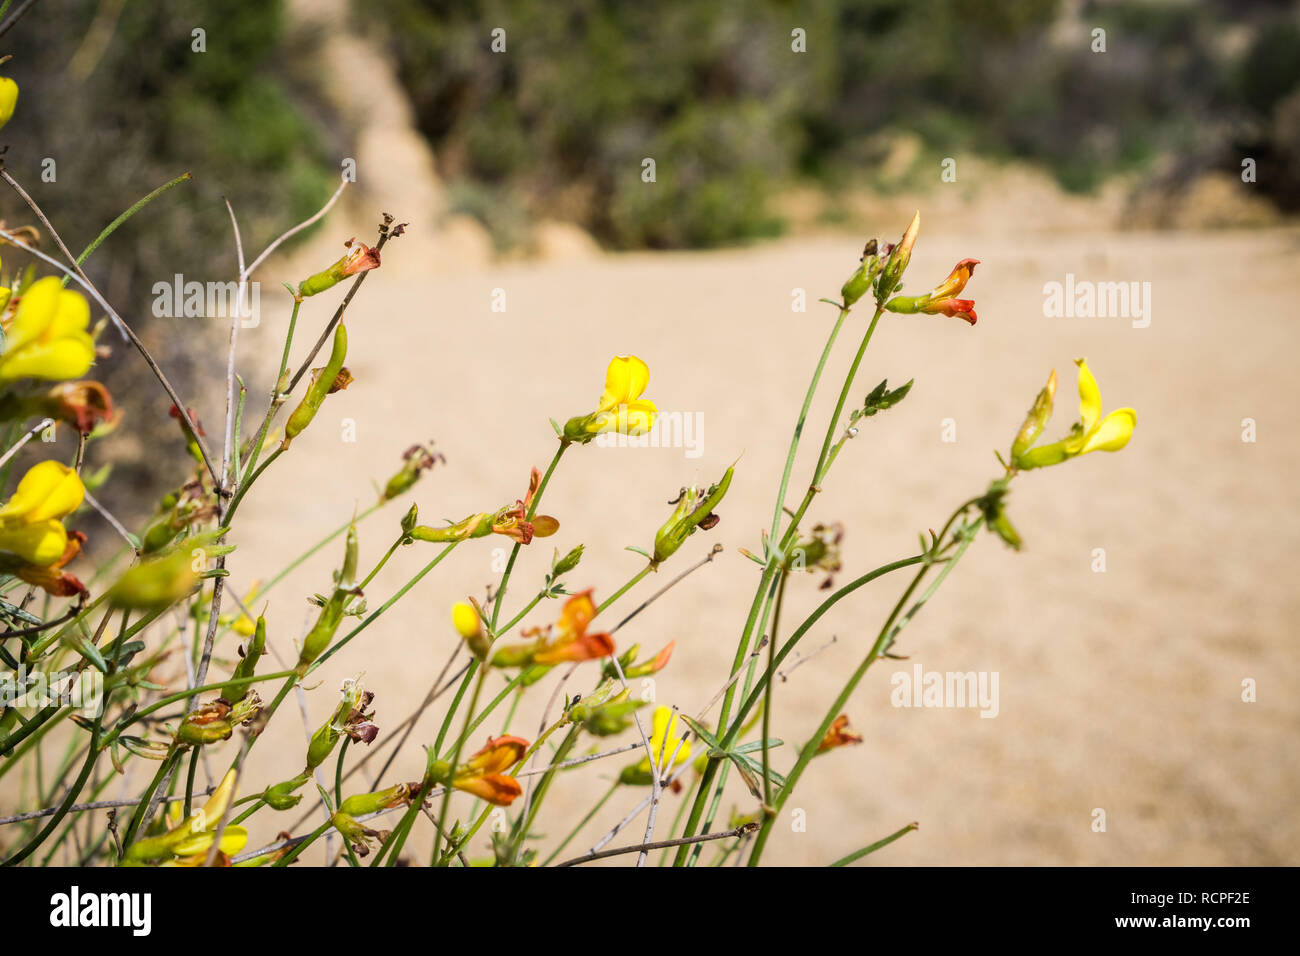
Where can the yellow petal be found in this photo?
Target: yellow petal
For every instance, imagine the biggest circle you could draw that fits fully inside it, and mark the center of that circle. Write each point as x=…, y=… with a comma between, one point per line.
x=71, y=314
x=35, y=313
x=50, y=489
x=466, y=620
x=641, y=416
x=664, y=739
x=625, y=380
x=1089, y=396
x=215, y=808
x=40, y=544
x=232, y=841
x=66, y=357
x=1113, y=433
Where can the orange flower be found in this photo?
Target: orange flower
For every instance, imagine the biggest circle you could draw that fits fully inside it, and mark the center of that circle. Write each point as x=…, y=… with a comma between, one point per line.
x=566, y=640
x=942, y=299
x=484, y=774
x=80, y=404
x=514, y=522
x=839, y=735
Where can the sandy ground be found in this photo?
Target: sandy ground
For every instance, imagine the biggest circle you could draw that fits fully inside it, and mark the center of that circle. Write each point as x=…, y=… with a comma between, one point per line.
x=1119, y=690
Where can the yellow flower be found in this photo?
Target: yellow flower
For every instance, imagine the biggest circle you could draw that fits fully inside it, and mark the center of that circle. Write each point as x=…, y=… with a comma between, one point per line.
x=8, y=99
x=47, y=337
x=664, y=740
x=1090, y=433
x=188, y=843
x=31, y=523
x=621, y=408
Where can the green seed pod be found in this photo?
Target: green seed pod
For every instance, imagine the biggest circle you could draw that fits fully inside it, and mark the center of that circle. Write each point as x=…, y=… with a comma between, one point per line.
x=322, y=383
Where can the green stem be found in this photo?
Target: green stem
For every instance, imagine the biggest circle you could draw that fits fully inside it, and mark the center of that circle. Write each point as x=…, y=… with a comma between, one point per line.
x=767, y=700
x=886, y=637
x=769, y=571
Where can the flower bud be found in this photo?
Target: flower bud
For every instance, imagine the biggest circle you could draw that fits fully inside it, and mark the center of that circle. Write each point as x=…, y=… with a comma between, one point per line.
x=1039, y=414
x=898, y=260
x=563, y=565
x=469, y=625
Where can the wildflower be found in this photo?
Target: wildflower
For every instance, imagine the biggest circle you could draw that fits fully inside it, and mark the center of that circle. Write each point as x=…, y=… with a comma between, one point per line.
x=8, y=99
x=469, y=624
x=514, y=522
x=942, y=299
x=31, y=522
x=566, y=640
x=840, y=734
x=415, y=460
x=188, y=843
x=361, y=258
x=689, y=517
x=669, y=747
x=621, y=408
x=47, y=336
x=330, y=378
x=484, y=773
x=1090, y=433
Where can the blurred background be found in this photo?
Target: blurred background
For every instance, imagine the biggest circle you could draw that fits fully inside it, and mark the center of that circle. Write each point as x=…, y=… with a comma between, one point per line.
x=1159, y=150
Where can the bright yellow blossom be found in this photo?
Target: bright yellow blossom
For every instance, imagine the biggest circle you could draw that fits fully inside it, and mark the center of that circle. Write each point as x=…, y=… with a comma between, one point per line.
x=621, y=408
x=1090, y=433
x=8, y=99
x=664, y=739
x=188, y=843
x=31, y=522
x=47, y=337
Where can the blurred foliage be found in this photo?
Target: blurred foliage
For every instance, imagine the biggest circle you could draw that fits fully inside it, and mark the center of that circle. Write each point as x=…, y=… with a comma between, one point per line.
x=117, y=96
x=714, y=93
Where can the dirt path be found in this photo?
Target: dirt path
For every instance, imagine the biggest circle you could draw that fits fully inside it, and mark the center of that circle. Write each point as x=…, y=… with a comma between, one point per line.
x=1119, y=690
